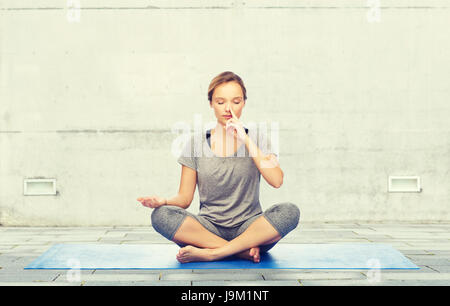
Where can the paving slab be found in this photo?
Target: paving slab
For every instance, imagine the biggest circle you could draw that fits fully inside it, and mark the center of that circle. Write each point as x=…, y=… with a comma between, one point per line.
x=328, y=240
x=440, y=269
x=427, y=245
x=28, y=276
x=16, y=243
x=6, y=262
x=107, y=277
x=17, y=229
x=414, y=276
x=140, y=271
x=112, y=235
x=81, y=231
x=225, y=276
x=415, y=252
x=64, y=238
x=159, y=241
x=36, y=283
x=7, y=245
x=247, y=283
x=313, y=275
x=14, y=239
x=37, y=248
x=381, y=283
x=440, y=252
x=429, y=260
x=139, y=283
x=430, y=246
x=111, y=240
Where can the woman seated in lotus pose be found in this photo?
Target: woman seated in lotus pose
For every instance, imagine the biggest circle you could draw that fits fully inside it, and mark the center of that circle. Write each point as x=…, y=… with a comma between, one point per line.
x=228, y=172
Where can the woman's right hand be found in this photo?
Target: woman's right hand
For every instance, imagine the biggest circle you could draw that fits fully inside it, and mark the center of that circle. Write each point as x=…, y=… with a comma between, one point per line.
x=153, y=201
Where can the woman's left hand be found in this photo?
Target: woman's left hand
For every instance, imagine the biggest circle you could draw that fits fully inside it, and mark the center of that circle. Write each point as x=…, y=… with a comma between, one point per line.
x=235, y=127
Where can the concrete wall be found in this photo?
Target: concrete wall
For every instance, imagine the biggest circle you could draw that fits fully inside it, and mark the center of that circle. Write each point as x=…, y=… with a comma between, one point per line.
x=92, y=102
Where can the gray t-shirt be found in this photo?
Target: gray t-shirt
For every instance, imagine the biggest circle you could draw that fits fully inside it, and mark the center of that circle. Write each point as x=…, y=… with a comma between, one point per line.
x=228, y=186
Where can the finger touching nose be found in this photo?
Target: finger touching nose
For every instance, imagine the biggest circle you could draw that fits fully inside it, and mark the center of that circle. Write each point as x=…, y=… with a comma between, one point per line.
x=233, y=114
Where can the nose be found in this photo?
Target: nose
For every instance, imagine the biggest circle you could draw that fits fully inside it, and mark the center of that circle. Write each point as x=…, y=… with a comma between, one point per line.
x=228, y=106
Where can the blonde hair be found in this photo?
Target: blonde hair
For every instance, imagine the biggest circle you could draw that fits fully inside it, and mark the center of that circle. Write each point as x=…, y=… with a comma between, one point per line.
x=225, y=77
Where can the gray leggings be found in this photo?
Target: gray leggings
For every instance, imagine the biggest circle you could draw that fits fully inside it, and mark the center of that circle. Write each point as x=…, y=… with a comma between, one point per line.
x=284, y=218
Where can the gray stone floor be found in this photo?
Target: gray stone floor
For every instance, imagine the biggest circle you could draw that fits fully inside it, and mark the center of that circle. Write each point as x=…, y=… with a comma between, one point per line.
x=427, y=245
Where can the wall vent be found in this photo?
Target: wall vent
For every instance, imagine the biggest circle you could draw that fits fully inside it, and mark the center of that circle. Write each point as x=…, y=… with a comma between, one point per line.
x=39, y=187
x=404, y=184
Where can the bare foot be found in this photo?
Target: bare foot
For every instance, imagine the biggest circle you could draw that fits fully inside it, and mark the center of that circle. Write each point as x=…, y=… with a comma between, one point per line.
x=251, y=254
x=190, y=253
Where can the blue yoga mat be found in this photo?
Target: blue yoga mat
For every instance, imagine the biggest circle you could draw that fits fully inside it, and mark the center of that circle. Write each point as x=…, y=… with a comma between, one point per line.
x=282, y=256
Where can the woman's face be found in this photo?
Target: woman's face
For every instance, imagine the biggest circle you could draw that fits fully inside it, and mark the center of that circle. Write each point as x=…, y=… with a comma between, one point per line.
x=227, y=96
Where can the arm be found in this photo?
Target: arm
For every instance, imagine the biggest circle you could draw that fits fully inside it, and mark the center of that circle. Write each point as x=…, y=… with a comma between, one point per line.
x=267, y=165
x=185, y=194
x=187, y=188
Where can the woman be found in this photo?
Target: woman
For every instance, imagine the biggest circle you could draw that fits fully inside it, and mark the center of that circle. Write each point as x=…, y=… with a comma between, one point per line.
x=230, y=221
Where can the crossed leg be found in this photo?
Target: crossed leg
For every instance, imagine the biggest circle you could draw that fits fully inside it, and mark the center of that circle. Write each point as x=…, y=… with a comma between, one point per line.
x=203, y=245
